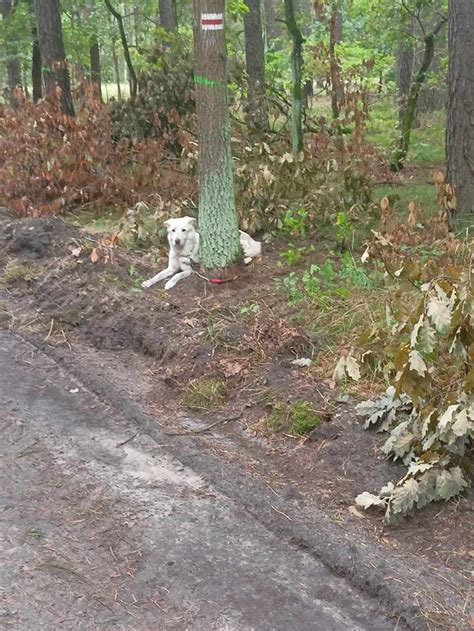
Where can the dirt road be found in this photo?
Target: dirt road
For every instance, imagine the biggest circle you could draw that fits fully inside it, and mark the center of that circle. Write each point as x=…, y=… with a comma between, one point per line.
x=99, y=533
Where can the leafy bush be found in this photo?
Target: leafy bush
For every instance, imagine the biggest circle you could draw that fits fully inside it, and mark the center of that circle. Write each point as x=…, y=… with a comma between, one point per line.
x=49, y=161
x=427, y=354
x=276, y=190
x=165, y=95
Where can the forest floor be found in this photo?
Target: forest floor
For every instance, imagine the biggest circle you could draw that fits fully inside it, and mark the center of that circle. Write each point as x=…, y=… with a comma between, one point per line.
x=212, y=366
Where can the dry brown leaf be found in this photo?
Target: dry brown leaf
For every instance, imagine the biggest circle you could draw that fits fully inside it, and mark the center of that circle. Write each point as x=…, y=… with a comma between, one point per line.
x=230, y=367
x=94, y=255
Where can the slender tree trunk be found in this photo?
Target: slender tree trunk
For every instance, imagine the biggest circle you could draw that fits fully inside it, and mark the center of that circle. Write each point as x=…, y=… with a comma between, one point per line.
x=126, y=51
x=273, y=29
x=335, y=36
x=218, y=223
x=94, y=52
x=460, y=119
x=255, y=64
x=398, y=160
x=296, y=69
x=12, y=61
x=404, y=64
x=116, y=70
x=36, y=79
x=168, y=15
x=53, y=58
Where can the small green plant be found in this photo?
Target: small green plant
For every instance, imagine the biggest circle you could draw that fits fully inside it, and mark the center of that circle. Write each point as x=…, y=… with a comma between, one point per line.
x=250, y=309
x=296, y=419
x=205, y=394
x=294, y=255
x=345, y=228
x=16, y=270
x=295, y=222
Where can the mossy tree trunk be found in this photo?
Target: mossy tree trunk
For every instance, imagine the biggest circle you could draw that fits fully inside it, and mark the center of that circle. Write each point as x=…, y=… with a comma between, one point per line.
x=335, y=37
x=255, y=64
x=409, y=114
x=296, y=70
x=218, y=225
x=53, y=58
x=460, y=119
x=404, y=62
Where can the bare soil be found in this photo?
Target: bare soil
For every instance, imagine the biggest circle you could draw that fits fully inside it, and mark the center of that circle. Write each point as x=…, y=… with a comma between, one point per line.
x=149, y=345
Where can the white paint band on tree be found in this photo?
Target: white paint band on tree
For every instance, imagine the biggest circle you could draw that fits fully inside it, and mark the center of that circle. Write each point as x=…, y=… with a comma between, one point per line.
x=212, y=21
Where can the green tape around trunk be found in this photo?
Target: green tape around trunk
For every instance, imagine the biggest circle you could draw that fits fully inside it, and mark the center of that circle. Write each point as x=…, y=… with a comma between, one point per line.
x=210, y=83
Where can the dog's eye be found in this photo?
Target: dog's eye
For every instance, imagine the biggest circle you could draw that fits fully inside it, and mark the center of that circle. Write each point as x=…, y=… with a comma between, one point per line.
x=183, y=230
x=173, y=230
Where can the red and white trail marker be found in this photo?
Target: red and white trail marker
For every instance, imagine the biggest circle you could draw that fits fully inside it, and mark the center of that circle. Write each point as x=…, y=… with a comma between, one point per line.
x=212, y=21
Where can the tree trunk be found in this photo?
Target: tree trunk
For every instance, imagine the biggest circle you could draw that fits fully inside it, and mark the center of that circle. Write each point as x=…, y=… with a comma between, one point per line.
x=54, y=69
x=335, y=36
x=168, y=15
x=273, y=29
x=126, y=51
x=398, y=159
x=460, y=119
x=296, y=67
x=12, y=60
x=94, y=52
x=116, y=70
x=218, y=223
x=255, y=64
x=36, y=79
x=404, y=65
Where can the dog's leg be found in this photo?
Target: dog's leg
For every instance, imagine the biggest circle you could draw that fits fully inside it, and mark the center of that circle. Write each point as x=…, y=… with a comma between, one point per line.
x=177, y=277
x=166, y=273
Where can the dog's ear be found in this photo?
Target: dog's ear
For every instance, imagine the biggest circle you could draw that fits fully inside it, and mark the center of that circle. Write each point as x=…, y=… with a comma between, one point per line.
x=191, y=221
x=167, y=223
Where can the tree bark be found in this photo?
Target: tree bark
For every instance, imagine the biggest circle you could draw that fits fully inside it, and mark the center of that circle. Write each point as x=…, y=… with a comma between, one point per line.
x=126, y=51
x=168, y=18
x=460, y=118
x=218, y=225
x=12, y=61
x=94, y=53
x=36, y=79
x=273, y=29
x=54, y=68
x=400, y=154
x=296, y=69
x=335, y=36
x=404, y=64
x=255, y=65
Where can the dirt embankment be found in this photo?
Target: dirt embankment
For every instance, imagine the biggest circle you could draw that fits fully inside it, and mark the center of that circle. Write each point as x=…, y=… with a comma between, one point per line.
x=201, y=340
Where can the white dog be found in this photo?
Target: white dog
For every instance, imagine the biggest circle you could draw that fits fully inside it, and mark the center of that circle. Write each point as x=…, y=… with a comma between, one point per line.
x=183, y=239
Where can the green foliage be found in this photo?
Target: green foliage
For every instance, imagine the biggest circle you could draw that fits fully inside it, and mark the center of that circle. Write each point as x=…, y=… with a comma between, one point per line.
x=320, y=283
x=296, y=419
x=427, y=354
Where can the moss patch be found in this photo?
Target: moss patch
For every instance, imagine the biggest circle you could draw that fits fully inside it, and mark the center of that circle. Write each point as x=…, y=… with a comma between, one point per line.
x=15, y=270
x=205, y=394
x=296, y=419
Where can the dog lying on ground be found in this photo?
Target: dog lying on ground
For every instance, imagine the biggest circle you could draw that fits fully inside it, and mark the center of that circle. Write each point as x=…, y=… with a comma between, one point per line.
x=183, y=239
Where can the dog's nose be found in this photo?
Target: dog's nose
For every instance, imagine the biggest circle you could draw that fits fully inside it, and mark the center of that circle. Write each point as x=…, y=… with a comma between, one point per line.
x=177, y=241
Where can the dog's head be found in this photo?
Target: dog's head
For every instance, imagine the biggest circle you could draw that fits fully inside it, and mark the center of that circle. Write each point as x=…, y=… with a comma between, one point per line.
x=179, y=230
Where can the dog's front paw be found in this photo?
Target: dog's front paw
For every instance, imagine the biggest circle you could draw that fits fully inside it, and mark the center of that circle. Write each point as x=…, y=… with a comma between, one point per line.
x=169, y=285
x=146, y=284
